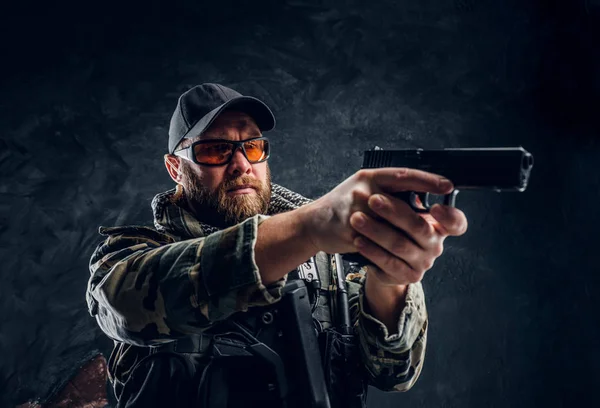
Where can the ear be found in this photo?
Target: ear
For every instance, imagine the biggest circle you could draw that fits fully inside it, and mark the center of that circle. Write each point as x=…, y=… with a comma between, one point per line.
x=173, y=165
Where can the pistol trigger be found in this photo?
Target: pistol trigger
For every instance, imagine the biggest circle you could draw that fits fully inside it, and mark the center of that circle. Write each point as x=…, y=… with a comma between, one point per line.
x=450, y=199
x=424, y=197
x=410, y=198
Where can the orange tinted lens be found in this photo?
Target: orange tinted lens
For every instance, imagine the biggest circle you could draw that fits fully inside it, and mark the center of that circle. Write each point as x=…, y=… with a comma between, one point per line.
x=213, y=153
x=256, y=150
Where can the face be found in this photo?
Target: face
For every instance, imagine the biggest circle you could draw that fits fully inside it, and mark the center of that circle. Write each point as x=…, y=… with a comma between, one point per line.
x=213, y=193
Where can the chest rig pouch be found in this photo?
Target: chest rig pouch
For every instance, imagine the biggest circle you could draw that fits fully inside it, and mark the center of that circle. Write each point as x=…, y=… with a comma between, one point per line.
x=267, y=357
x=277, y=355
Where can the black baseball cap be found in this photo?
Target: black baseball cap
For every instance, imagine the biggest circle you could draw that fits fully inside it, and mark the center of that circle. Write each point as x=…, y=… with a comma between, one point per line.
x=198, y=107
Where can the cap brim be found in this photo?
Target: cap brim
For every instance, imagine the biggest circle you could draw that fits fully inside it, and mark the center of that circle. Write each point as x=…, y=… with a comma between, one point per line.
x=262, y=115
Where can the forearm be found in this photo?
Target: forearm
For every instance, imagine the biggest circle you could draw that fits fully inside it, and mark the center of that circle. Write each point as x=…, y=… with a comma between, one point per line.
x=386, y=302
x=282, y=244
x=393, y=360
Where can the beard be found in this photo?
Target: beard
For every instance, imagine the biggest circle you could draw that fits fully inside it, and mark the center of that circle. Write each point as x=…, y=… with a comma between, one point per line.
x=219, y=208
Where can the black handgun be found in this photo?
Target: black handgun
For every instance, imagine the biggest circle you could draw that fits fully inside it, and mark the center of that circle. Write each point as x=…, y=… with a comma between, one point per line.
x=497, y=169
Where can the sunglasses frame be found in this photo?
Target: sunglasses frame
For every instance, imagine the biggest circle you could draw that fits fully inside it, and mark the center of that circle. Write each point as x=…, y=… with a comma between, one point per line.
x=188, y=152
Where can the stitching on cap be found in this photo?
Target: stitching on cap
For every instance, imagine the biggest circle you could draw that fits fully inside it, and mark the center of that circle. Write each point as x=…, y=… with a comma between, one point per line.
x=222, y=91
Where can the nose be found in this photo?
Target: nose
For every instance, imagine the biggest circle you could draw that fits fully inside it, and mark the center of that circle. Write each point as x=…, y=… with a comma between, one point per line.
x=239, y=164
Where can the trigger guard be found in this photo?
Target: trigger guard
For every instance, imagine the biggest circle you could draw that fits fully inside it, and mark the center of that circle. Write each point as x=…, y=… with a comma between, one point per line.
x=410, y=197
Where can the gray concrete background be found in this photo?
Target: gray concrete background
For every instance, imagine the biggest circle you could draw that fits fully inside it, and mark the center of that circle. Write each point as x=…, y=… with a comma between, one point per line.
x=88, y=90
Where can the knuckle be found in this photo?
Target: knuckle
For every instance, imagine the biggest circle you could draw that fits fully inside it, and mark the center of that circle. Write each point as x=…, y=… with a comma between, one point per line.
x=414, y=276
x=403, y=173
x=425, y=230
x=441, y=184
x=362, y=175
x=427, y=264
x=359, y=195
x=438, y=249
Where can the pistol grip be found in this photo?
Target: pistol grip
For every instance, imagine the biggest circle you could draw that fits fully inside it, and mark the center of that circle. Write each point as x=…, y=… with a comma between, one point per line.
x=422, y=205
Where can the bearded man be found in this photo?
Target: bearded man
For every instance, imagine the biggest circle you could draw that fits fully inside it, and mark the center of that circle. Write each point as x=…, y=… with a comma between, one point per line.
x=224, y=244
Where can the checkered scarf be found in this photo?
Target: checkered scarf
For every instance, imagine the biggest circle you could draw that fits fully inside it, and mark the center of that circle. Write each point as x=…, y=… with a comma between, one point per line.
x=171, y=218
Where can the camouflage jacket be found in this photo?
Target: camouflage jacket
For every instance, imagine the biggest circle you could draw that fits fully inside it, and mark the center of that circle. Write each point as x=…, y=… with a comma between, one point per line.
x=149, y=286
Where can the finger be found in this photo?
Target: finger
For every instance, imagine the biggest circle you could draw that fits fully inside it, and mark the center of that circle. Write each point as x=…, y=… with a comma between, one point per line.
x=401, y=215
x=395, y=270
x=396, y=179
x=435, y=224
x=451, y=219
x=396, y=242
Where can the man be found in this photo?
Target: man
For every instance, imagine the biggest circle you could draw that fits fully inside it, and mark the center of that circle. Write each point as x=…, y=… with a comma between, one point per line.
x=225, y=240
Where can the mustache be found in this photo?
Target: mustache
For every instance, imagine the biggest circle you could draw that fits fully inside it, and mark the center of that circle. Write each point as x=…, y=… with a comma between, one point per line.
x=241, y=181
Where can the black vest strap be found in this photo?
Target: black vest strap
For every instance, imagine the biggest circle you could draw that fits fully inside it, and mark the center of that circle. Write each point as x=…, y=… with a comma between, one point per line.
x=196, y=343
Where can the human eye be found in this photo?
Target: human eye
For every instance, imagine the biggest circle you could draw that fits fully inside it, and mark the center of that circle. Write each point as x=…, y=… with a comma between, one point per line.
x=221, y=147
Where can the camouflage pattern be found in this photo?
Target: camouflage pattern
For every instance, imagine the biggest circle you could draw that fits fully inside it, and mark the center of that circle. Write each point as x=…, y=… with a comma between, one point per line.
x=394, y=362
x=149, y=286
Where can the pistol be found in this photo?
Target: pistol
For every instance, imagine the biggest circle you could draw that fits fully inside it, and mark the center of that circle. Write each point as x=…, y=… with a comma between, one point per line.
x=497, y=169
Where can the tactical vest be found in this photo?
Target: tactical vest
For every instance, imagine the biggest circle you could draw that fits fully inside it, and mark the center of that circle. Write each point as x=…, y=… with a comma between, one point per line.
x=289, y=355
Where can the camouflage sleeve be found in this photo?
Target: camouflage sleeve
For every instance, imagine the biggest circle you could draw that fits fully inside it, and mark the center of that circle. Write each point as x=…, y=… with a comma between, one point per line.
x=393, y=362
x=145, y=288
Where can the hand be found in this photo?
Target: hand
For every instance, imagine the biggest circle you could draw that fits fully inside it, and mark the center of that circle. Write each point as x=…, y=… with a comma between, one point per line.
x=400, y=242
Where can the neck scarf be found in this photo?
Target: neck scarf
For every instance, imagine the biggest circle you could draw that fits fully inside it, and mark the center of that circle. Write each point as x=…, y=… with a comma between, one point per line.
x=172, y=218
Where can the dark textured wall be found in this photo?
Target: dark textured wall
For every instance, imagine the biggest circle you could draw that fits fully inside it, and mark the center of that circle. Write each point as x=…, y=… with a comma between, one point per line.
x=88, y=90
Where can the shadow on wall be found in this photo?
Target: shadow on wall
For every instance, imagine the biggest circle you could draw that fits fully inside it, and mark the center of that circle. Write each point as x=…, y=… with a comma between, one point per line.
x=85, y=389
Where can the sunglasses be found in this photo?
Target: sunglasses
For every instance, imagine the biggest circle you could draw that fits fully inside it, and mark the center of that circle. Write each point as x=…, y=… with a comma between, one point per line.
x=218, y=152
